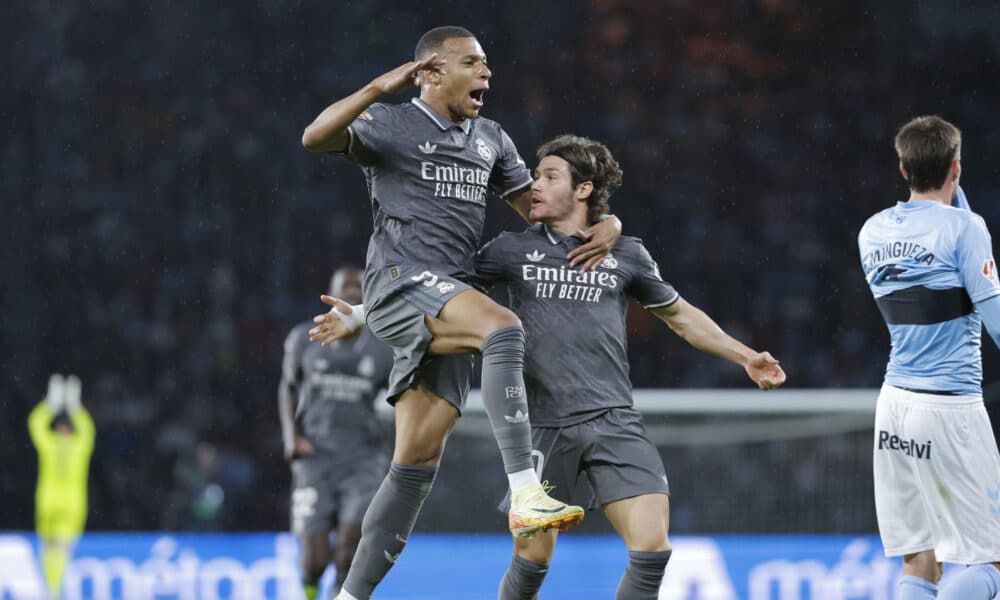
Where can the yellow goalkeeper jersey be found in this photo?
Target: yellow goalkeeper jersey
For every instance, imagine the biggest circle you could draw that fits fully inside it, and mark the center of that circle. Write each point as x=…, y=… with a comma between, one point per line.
x=63, y=460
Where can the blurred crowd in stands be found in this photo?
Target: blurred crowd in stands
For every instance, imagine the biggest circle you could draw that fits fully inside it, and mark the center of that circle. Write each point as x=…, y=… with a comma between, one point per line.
x=165, y=228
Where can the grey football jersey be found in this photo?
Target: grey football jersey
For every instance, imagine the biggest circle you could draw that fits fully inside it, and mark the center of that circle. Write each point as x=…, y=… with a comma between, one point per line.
x=428, y=180
x=576, y=364
x=337, y=386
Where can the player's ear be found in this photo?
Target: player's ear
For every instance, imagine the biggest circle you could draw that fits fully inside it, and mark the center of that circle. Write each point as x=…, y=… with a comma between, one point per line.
x=956, y=168
x=902, y=171
x=584, y=190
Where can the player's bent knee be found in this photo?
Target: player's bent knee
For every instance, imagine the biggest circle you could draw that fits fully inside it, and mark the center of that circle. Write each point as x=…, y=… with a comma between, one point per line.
x=497, y=319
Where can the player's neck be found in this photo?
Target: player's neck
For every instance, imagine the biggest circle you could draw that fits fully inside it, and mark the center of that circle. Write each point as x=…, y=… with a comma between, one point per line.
x=569, y=225
x=942, y=195
x=440, y=107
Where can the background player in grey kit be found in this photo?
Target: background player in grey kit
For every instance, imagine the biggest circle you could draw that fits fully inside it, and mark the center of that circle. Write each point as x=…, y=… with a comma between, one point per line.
x=328, y=424
x=929, y=263
x=576, y=365
x=431, y=164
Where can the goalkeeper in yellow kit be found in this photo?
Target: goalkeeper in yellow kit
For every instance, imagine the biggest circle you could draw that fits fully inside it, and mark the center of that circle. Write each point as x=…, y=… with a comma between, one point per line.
x=63, y=433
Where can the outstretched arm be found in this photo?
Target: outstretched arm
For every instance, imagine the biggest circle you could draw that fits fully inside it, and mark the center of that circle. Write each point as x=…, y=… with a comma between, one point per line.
x=699, y=330
x=328, y=132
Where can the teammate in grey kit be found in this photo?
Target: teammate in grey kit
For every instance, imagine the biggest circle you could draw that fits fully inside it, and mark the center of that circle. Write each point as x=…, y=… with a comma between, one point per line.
x=430, y=166
x=328, y=424
x=576, y=367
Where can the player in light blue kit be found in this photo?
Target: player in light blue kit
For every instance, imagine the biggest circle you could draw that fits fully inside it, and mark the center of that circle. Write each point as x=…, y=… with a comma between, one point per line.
x=929, y=263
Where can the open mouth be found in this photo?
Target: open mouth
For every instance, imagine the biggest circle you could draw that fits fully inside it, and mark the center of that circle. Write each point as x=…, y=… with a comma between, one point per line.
x=478, y=96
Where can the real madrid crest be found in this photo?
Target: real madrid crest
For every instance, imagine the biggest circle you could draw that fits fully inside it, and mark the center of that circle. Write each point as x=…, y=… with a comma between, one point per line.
x=485, y=151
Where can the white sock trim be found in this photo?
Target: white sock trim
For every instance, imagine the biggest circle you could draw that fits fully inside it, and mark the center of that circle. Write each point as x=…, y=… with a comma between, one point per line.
x=522, y=479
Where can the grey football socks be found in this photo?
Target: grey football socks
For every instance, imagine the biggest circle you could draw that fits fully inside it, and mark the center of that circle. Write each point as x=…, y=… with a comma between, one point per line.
x=642, y=578
x=522, y=579
x=387, y=525
x=504, y=397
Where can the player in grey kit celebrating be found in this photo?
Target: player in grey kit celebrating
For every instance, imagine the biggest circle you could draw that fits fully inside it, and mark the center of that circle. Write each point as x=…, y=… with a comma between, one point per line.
x=326, y=404
x=576, y=366
x=430, y=166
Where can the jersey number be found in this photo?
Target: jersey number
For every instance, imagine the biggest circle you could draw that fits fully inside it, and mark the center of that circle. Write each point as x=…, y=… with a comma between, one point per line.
x=428, y=278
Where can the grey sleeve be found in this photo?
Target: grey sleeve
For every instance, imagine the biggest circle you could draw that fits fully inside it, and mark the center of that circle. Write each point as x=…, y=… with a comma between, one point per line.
x=291, y=362
x=370, y=134
x=490, y=262
x=509, y=172
x=645, y=284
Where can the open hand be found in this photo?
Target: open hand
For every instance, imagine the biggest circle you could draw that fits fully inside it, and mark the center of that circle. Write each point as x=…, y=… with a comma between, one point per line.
x=330, y=327
x=601, y=238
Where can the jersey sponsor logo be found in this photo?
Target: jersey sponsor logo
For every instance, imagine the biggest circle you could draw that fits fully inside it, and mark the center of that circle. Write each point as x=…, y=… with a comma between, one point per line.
x=340, y=387
x=888, y=441
x=564, y=283
x=518, y=417
x=453, y=181
x=366, y=367
x=609, y=262
x=990, y=271
x=892, y=251
x=394, y=272
x=534, y=256
x=484, y=150
x=427, y=148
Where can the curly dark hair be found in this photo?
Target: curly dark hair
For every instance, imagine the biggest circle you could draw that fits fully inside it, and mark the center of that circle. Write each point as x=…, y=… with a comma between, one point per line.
x=591, y=161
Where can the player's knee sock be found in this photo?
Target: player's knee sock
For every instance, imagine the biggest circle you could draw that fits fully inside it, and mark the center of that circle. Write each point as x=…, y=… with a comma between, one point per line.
x=504, y=398
x=310, y=590
x=642, y=578
x=387, y=525
x=339, y=581
x=522, y=580
x=973, y=583
x=912, y=587
x=54, y=559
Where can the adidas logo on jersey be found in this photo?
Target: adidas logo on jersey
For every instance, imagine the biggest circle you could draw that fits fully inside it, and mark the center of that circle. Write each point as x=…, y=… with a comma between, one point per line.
x=518, y=417
x=427, y=148
x=534, y=256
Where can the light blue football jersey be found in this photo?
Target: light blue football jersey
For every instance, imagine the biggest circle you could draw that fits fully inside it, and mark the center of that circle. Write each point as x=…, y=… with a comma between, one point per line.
x=928, y=264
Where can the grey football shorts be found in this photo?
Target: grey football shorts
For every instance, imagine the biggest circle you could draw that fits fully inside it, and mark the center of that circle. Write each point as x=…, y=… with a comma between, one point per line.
x=612, y=450
x=326, y=495
x=398, y=320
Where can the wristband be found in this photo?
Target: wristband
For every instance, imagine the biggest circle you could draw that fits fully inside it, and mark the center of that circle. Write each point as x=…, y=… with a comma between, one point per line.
x=355, y=320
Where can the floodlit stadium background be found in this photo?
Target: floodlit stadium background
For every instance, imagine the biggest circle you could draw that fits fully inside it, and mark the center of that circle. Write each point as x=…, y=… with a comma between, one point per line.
x=165, y=229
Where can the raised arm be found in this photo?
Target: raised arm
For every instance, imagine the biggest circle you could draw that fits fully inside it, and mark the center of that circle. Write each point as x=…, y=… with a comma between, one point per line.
x=38, y=425
x=328, y=132
x=699, y=330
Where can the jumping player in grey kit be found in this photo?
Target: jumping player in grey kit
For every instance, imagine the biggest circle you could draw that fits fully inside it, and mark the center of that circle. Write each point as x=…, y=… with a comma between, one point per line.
x=576, y=365
x=430, y=165
x=328, y=424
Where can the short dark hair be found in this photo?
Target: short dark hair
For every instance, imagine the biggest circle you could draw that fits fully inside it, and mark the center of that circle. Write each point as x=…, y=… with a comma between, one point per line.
x=431, y=41
x=927, y=146
x=591, y=161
